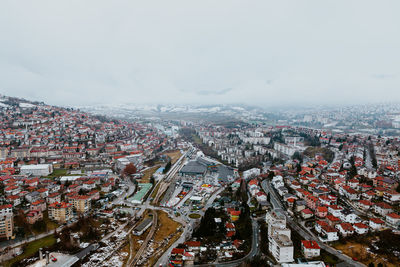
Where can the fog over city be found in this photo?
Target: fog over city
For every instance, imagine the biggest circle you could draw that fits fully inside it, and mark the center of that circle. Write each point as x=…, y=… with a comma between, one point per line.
x=205, y=52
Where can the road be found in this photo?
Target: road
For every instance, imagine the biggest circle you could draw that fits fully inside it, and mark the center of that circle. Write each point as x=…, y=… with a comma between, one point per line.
x=305, y=233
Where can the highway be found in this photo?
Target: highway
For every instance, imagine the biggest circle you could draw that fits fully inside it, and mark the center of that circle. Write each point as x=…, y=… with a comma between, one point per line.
x=305, y=233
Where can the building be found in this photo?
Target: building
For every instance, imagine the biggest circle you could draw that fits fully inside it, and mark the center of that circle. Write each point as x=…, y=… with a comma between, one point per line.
x=142, y=227
x=6, y=227
x=81, y=203
x=393, y=219
x=310, y=249
x=34, y=216
x=280, y=244
x=60, y=212
x=6, y=222
x=37, y=170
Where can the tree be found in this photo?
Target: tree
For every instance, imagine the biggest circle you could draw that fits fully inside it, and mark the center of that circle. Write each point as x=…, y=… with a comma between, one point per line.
x=130, y=169
x=167, y=167
x=40, y=226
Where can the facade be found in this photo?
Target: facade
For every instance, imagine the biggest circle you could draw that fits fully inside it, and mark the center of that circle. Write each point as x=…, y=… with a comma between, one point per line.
x=310, y=249
x=6, y=227
x=60, y=212
x=6, y=222
x=81, y=203
x=37, y=170
x=280, y=244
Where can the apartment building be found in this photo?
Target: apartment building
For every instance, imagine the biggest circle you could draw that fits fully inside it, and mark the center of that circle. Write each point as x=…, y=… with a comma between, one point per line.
x=60, y=211
x=280, y=244
x=81, y=203
x=6, y=222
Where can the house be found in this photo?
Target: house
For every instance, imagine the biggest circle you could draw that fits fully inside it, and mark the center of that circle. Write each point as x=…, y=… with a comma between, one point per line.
x=34, y=216
x=376, y=223
x=335, y=210
x=53, y=197
x=307, y=213
x=319, y=224
x=38, y=205
x=322, y=211
x=15, y=200
x=349, y=216
x=94, y=194
x=32, y=197
x=329, y=234
x=345, y=229
x=300, y=205
x=89, y=185
x=230, y=229
x=385, y=182
x=348, y=192
x=234, y=214
x=393, y=219
x=12, y=190
x=332, y=220
x=310, y=249
x=106, y=187
x=382, y=208
x=44, y=192
x=364, y=204
x=369, y=195
x=193, y=246
x=360, y=228
x=391, y=197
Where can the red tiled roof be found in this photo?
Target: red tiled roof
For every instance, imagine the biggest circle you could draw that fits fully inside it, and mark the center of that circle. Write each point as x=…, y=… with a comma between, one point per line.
x=310, y=244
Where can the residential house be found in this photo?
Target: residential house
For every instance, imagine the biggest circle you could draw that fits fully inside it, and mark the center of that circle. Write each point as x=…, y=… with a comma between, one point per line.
x=382, y=208
x=393, y=219
x=34, y=216
x=310, y=249
x=376, y=223
x=345, y=229
x=360, y=228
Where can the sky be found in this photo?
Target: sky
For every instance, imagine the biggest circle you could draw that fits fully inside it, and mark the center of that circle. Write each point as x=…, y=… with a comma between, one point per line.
x=300, y=52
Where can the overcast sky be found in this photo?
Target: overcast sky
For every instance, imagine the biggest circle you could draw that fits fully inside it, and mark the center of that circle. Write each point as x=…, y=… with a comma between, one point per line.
x=253, y=52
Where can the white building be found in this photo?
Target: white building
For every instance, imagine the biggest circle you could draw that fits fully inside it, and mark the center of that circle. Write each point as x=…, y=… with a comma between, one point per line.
x=37, y=170
x=251, y=173
x=280, y=244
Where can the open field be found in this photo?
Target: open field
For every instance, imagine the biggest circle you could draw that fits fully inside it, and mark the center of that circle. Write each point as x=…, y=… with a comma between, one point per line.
x=58, y=173
x=174, y=155
x=361, y=252
x=148, y=173
x=125, y=249
x=32, y=248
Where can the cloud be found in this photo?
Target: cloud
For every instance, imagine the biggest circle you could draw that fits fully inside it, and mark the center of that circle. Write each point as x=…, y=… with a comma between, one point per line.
x=215, y=92
x=258, y=52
